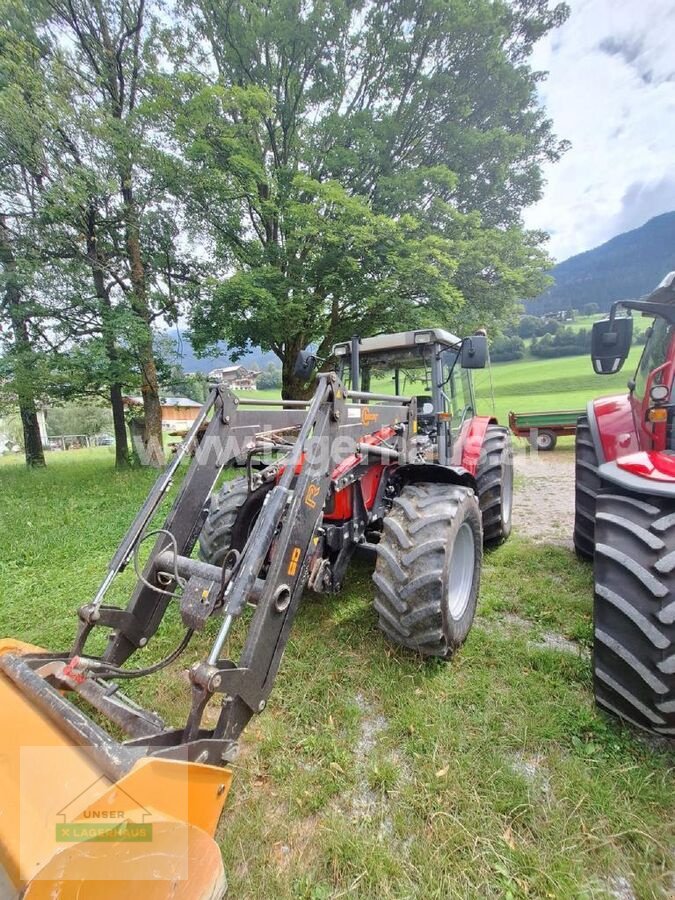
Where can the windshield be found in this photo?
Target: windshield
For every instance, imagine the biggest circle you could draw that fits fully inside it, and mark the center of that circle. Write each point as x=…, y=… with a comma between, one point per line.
x=654, y=355
x=406, y=371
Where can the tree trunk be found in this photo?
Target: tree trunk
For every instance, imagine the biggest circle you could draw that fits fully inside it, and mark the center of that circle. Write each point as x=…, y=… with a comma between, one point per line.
x=292, y=387
x=119, y=426
x=23, y=380
x=103, y=296
x=32, y=439
x=152, y=408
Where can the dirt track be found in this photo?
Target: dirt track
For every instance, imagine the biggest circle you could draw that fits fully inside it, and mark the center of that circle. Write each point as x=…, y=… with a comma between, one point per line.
x=543, y=503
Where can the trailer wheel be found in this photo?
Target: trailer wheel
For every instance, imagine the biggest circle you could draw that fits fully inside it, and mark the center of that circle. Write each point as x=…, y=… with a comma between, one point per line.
x=428, y=568
x=494, y=482
x=587, y=485
x=634, y=610
x=543, y=439
x=231, y=516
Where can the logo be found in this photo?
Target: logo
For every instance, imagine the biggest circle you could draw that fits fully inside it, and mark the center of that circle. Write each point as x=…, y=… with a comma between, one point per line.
x=114, y=817
x=368, y=417
x=313, y=492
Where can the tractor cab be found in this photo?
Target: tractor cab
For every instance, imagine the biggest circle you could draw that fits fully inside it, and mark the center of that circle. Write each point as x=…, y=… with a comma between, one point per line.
x=431, y=364
x=650, y=398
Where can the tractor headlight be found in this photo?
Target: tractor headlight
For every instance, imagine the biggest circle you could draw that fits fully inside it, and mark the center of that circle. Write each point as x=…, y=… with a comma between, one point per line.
x=659, y=393
x=423, y=337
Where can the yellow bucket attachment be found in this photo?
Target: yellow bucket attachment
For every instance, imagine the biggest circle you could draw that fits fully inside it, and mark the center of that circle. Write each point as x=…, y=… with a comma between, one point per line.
x=67, y=832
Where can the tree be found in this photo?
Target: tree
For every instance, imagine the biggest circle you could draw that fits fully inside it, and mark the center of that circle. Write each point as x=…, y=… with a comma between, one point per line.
x=21, y=174
x=590, y=309
x=108, y=48
x=361, y=166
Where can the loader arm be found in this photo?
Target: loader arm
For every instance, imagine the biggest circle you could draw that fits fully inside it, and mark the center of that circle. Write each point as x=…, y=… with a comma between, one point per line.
x=271, y=571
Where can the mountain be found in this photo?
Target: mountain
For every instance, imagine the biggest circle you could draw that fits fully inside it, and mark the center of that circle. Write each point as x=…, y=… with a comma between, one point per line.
x=628, y=266
x=190, y=362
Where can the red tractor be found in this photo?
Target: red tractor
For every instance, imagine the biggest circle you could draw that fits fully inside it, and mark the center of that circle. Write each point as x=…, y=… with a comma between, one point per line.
x=625, y=516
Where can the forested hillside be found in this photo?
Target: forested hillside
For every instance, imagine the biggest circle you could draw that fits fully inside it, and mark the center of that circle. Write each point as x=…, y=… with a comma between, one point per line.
x=629, y=265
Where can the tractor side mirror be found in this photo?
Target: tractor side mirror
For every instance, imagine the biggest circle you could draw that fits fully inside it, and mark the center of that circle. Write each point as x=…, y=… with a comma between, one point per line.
x=305, y=364
x=610, y=344
x=474, y=352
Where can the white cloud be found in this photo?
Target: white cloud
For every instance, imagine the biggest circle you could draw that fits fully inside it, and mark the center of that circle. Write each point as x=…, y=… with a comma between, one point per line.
x=611, y=92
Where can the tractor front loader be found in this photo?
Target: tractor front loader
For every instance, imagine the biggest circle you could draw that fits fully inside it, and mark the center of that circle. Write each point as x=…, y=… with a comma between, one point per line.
x=99, y=798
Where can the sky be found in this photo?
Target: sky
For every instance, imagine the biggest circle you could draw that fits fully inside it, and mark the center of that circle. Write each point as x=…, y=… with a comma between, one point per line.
x=611, y=92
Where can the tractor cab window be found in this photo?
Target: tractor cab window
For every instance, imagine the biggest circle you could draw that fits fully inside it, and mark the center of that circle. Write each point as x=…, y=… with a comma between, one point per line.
x=654, y=355
x=457, y=389
x=406, y=372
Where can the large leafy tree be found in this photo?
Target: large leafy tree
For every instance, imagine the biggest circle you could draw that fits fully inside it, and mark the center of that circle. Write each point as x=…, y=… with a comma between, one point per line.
x=359, y=166
x=102, y=58
x=22, y=171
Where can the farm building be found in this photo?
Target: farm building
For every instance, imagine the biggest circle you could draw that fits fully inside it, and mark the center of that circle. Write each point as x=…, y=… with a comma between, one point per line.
x=177, y=412
x=236, y=377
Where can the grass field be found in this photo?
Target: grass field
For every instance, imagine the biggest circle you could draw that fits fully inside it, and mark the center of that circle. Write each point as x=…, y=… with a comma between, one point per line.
x=372, y=774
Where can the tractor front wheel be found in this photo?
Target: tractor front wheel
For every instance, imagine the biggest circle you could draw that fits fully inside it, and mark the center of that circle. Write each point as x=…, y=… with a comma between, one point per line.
x=232, y=515
x=587, y=485
x=494, y=484
x=428, y=568
x=634, y=610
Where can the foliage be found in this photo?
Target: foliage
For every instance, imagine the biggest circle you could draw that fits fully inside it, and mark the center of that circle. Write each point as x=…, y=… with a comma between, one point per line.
x=506, y=348
x=71, y=418
x=270, y=378
x=359, y=167
x=566, y=342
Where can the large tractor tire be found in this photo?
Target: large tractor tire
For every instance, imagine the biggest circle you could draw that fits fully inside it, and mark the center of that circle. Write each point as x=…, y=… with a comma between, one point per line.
x=634, y=610
x=587, y=485
x=428, y=568
x=232, y=514
x=494, y=483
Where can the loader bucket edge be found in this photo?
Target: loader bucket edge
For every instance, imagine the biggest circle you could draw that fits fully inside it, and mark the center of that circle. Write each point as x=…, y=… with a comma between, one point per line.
x=52, y=794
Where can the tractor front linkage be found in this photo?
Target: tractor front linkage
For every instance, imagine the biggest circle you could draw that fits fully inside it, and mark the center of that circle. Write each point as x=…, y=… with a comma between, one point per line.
x=330, y=430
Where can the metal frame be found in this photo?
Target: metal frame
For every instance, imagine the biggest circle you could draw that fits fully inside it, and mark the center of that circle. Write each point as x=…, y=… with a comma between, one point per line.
x=291, y=522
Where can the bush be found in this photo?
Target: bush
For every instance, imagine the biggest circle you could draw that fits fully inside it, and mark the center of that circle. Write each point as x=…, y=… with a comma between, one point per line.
x=506, y=347
x=566, y=342
x=590, y=309
x=527, y=327
x=270, y=378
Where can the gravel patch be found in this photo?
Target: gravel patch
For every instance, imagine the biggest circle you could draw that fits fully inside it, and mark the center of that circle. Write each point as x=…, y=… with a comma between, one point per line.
x=543, y=504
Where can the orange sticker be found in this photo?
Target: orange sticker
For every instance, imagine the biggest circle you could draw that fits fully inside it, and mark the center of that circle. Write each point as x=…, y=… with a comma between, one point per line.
x=313, y=492
x=295, y=559
x=367, y=417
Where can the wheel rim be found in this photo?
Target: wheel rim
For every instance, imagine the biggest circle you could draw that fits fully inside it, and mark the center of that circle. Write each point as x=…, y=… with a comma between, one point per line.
x=543, y=441
x=507, y=490
x=460, y=576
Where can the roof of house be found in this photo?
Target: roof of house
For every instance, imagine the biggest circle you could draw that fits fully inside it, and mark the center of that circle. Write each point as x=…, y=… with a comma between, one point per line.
x=183, y=402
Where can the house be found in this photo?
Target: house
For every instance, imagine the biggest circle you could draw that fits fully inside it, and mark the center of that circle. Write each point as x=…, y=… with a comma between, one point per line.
x=177, y=412
x=237, y=377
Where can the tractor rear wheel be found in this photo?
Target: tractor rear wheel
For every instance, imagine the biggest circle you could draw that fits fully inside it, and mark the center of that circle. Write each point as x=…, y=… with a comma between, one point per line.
x=494, y=483
x=428, y=568
x=232, y=514
x=634, y=610
x=587, y=485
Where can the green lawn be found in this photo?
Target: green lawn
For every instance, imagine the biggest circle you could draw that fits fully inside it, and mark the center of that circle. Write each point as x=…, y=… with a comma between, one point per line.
x=372, y=774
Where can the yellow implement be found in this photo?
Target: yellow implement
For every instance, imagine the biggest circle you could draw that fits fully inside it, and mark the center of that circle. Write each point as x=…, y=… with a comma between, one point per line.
x=68, y=831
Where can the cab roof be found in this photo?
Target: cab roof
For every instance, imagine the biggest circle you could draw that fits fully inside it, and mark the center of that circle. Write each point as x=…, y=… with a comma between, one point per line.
x=400, y=340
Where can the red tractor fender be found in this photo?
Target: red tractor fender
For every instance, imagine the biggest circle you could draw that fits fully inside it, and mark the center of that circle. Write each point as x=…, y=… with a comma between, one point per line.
x=622, y=462
x=612, y=426
x=469, y=446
